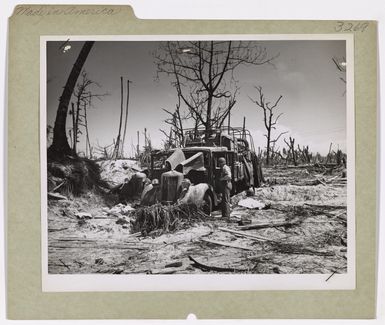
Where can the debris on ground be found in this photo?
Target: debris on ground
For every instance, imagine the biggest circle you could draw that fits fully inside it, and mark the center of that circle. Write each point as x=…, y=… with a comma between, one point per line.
x=83, y=215
x=119, y=210
x=251, y=204
x=302, y=228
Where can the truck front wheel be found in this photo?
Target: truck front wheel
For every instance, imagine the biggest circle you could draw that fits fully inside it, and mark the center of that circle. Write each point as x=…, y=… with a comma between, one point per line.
x=207, y=205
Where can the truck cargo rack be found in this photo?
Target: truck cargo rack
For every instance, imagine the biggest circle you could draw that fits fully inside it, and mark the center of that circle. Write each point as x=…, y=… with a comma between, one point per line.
x=197, y=137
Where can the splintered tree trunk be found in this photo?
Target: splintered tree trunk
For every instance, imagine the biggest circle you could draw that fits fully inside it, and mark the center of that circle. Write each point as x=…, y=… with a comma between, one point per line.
x=292, y=150
x=208, y=126
x=126, y=116
x=330, y=149
x=118, y=139
x=257, y=170
x=76, y=128
x=60, y=146
x=268, y=148
x=73, y=123
x=88, y=143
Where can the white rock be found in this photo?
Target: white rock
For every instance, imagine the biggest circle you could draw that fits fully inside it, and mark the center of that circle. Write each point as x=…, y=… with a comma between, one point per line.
x=251, y=204
x=83, y=215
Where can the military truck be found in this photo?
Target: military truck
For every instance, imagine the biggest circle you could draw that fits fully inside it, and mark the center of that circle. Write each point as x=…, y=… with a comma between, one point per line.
x=190, y=174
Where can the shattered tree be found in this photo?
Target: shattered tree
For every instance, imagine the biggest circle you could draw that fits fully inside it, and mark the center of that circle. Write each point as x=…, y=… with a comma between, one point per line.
x=60, y=146
x=292, y=151
x=269, y=119
x=203, y=75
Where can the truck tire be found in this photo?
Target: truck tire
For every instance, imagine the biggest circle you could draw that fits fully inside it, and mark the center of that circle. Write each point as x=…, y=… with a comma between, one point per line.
x=207, y=205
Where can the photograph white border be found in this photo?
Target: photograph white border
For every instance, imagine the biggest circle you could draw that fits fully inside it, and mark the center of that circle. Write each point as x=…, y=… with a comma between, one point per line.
x=203, y=282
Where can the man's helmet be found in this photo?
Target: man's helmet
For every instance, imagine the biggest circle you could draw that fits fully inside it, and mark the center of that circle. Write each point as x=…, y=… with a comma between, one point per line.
x=222, y=160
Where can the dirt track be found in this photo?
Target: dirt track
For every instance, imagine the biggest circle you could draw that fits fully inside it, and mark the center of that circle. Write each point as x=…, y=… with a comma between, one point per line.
x=311, y=202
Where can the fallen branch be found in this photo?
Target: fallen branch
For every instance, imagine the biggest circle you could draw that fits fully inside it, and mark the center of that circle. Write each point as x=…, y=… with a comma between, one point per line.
x=331, y=207
x=110, y=271
x=270, y=225
x=169, y=270
x=103, y=218
x=79, y=263
x=64, y=264
x=77, y=239
x=97, y=247
x=205, y=267
x=245, y=234
x=58, y=229
x=174, y=264
x=59, y=186
x=332, y=178
x=321, y=221
x=259, y=257
x=136, y=234
x=296, y=249
x=56, y=196
x=321, y=180
x=221, y=243
x=339, y=215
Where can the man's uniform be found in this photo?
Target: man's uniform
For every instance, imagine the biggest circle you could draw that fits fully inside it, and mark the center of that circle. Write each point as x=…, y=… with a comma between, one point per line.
x=226, y=187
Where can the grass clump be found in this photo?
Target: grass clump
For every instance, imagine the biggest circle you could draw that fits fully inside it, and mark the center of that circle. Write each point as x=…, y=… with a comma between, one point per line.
x=165, y=218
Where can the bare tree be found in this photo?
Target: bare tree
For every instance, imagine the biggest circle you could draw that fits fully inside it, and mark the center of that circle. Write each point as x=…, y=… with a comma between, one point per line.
x=119, y=143
x=89, y=151
x=176, y=121
x=203, y=75
x=340, y=64
x=339, y=157
x=105, y=152
x=126, y=117
x=83, y=95
x=117, y=149
x=145, y=155
x=328, y=157
x=168, y=143
x=60, y=146
x=270, y=120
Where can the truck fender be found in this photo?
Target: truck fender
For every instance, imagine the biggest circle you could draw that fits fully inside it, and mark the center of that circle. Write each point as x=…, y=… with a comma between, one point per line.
x=150, y=195
x=196, y=193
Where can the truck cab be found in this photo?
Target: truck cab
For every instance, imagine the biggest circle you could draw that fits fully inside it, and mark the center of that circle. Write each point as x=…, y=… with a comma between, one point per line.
x=190, y=174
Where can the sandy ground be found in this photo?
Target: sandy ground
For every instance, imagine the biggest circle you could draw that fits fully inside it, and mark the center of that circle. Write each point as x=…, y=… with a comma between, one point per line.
x=310, y=201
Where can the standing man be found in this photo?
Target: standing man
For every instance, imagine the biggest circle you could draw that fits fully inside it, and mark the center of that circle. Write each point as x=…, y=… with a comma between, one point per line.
x=225, y=179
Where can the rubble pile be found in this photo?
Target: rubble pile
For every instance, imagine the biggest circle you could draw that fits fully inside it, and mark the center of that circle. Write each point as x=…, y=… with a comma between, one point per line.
x=116, y=171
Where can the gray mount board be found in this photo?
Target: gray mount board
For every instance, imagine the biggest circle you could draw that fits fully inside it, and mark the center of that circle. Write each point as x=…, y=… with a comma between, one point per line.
x=25, y=299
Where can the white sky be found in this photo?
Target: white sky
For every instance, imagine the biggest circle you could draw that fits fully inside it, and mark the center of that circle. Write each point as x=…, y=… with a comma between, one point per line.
x=313, y=103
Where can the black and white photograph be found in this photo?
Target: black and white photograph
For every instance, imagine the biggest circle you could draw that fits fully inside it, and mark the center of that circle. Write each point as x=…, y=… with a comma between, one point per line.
x=197, y=163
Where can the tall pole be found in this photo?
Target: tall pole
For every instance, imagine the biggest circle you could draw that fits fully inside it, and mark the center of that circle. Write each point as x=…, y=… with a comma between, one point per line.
x=126, y=117
x=117, y=145
x=137, y=146
x=244, y=127
x=228, y=124
x=88, y=143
